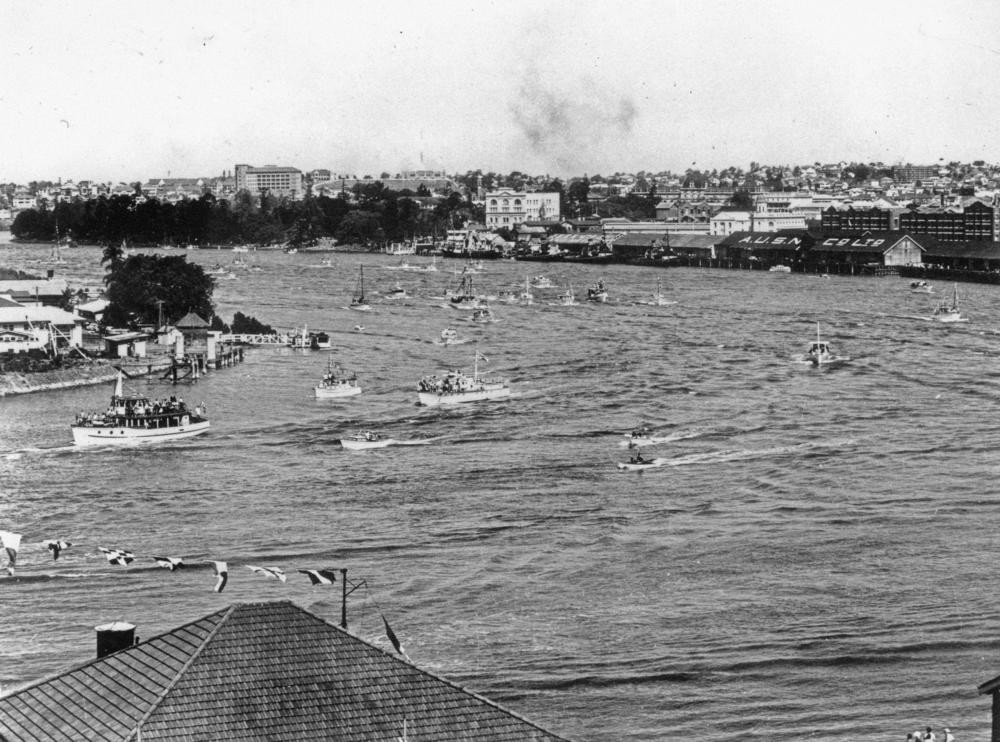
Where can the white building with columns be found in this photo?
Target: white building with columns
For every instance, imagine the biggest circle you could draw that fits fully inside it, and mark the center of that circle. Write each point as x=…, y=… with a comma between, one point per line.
x=508, y=208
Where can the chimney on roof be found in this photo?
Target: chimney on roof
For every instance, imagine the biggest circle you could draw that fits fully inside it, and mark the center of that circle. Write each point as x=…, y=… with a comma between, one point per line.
x=113, y=637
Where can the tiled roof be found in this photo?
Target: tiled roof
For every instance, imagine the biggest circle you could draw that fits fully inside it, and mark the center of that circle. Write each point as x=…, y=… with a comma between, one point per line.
x=260, y=671
x=191, y=320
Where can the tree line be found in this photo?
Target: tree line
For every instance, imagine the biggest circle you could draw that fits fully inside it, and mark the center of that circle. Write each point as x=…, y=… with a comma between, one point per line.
x=371, y=213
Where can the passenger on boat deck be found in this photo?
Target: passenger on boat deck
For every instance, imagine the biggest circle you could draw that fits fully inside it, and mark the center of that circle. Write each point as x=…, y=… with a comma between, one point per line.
x=929, y=736
x=948, y=736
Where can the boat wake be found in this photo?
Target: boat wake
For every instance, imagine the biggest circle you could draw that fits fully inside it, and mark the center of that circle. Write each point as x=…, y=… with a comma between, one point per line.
x=721, y=457
x=655, y=439
x=354, y=445
x=20, y=453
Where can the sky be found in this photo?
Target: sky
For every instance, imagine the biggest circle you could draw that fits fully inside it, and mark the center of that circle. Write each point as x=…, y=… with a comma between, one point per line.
x=125, y=91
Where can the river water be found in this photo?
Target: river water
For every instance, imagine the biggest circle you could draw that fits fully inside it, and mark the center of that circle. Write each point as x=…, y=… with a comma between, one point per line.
x=814, y=560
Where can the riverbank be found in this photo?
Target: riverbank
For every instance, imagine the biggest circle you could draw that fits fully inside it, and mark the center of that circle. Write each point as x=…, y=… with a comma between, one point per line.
x=63, y=378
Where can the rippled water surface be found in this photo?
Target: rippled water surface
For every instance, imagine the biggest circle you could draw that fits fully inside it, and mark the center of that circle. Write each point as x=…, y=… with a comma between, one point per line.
x=813, y=560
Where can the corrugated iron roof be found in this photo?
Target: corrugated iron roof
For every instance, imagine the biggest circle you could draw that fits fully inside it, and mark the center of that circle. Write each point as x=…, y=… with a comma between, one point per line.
x=255, y=671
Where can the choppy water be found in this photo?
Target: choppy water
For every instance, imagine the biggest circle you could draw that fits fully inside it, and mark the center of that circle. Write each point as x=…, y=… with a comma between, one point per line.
x=815, y=560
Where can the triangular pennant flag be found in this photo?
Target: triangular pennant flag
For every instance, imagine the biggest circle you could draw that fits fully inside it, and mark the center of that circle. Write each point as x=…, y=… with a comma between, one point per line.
x=57, y=546
x=170, y=563
x=391, y=635
x=320, y=576
x=11, y=543
x=272, y=572
x=118, y=556
x=221, y=572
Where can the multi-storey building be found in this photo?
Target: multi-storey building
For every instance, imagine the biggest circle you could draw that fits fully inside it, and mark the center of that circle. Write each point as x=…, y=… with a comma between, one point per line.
x=913, y=173
x=278, y=181
x=730, y=222
x=974, y=223
x=319, y=175
x=858, y=221
x=508, y=208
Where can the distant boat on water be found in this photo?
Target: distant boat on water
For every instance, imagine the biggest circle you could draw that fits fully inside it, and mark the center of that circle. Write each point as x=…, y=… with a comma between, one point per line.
x=359, y=301
x=949, y=311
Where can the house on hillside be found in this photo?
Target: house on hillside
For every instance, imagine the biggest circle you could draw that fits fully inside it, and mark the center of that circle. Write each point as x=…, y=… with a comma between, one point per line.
x=257, y=671
x=48, y=290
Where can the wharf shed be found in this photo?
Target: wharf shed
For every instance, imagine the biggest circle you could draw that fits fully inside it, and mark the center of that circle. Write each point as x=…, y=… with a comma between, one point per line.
x=786, y=247
x=639, y=246
x=698, y=246
x=882, y=248
x=976, y=256
x=256, y=671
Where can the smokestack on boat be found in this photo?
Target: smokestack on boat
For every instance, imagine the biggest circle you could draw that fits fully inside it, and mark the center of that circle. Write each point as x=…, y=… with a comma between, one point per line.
x=113, y=637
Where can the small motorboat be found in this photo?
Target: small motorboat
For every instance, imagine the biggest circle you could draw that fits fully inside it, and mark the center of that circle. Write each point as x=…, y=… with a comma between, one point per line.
x=336, y=384
x=820, y=353
x=638, y=462
x=397, y=293
x=639, y=437
x=949, y=311
x=598, y=292
x=779, y=269
x=542, y=282
x=364, y=440
x=483, y=314
x=921, y=287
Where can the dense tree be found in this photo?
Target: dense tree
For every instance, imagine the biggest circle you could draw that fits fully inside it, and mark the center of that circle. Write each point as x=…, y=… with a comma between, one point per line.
x=577, y=193
x=138, y=283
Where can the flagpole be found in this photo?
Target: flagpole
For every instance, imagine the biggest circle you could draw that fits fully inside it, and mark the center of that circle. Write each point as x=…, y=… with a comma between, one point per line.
x=343, y=599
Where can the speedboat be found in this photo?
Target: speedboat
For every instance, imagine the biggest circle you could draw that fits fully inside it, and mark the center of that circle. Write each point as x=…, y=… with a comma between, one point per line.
x=638, y=463
x=921, y=287
x=820, y=354
x=542, y=282
x=336, y=383
x=483, y=314
x=597, y=292
x=456, y=387
x=639, y=437
x=397, y=293
x=136, y=419
x=365, y=439
x=949, y=311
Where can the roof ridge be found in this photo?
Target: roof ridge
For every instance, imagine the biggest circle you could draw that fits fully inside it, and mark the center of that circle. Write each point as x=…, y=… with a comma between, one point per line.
x=180, y=672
